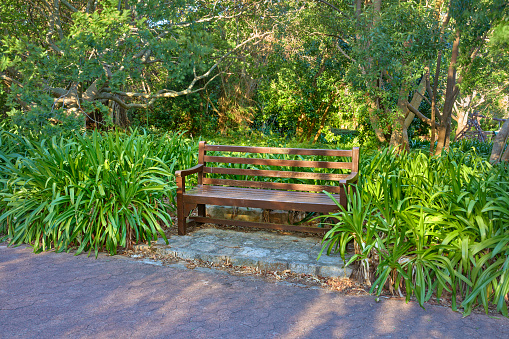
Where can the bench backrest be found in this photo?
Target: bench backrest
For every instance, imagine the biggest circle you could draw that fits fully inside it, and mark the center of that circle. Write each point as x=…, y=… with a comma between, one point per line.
x=204, y=158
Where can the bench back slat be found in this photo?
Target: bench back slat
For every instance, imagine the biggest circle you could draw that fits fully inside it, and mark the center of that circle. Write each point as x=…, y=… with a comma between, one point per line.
x=278, y=162
x=274, y=173
x=272, y=185
x=277, y=150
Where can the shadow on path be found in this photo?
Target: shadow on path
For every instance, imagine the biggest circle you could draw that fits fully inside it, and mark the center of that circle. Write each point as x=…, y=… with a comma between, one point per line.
x=61, y=295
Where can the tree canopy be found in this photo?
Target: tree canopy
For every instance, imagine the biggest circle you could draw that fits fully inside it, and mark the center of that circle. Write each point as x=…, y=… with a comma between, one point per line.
x=295, y=67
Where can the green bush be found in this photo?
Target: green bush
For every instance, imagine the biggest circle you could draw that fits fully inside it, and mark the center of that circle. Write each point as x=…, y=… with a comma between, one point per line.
x=429, y=225
x=92, y=192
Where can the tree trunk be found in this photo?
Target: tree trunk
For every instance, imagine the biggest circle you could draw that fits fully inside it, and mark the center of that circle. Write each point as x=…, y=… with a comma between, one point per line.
x=416, y=102
x=375, y=122
x=463, y=109
x=498, y=144
x=399, y=136
x=462, y=122
x=433, y=95
x=505, y=156
x=324, y=118
x=444, y=130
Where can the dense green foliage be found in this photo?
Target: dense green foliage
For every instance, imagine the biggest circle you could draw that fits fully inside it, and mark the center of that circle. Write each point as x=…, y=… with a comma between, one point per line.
x=429, y=225
x=295, y=67
x=90, y=192
x=422, y=225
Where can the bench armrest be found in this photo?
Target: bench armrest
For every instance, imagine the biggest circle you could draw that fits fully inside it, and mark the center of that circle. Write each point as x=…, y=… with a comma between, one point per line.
x=352, y=178
x=189, y=171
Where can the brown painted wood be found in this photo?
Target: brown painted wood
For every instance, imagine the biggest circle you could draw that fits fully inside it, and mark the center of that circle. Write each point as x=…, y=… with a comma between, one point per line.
x=352, y=178
x=342, y=197
x=188, y=208
x=271, y=185
x=261, y=194
x=260, y=198
x=355, y=159
x=279, y=162
x=277, y=150
x=201, y=155
x=181, y=216
x=202, y=210
x=282, y=227
x=201, y=151
x=275, y=174
x=189, y=171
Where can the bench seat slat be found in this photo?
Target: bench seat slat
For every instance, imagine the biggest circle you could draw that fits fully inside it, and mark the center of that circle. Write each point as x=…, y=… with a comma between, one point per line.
x=278, y=162
x=277, y=150
x=260, y=198
x=271, y=185
x=275, y=174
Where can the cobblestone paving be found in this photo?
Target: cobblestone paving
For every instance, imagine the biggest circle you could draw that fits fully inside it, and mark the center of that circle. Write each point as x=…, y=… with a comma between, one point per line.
x=265, y=250
x=52, y=295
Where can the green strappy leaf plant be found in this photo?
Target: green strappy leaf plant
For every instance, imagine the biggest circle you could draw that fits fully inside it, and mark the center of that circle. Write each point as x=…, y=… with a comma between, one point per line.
x=440, y=224
x=93, y=192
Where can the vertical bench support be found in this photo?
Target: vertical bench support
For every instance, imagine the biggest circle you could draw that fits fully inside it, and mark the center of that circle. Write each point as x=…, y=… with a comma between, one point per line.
x=355, y=167
x=181, y=217
x=201, y=156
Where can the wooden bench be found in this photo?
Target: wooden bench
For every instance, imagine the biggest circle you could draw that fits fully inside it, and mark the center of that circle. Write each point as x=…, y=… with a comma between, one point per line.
x=214, y=189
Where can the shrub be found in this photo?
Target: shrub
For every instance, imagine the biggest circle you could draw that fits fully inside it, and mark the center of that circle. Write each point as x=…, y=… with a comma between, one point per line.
x=429, y=225
x=92, y=192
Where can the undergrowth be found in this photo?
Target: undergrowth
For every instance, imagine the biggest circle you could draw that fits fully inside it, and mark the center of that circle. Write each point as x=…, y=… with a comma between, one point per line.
x=89, y=192
x=423, y=225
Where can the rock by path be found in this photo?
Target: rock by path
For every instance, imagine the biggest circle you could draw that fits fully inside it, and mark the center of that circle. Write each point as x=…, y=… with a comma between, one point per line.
x=268, y=251
x=57, y=295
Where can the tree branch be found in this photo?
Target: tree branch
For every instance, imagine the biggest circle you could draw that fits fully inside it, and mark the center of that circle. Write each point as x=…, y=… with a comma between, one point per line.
x=68, y=5
x=8, y=80
x=431, y=93
x=164, y=93
x=419, y=114
x=331, y=6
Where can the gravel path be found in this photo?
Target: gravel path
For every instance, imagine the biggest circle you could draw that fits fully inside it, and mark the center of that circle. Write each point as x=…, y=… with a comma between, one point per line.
x=52, y=295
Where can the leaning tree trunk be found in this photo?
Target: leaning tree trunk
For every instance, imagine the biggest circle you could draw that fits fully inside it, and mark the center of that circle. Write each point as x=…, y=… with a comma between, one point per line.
x=499, y=143
x=462, y=123
x=416, y=102
x=399, y=136
x=505, y=156
x=444, y=130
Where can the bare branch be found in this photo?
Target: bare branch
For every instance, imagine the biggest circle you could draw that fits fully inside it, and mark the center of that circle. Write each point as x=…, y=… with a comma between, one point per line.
x=208, y=19
x=8, y=80
x=419, y=114
x=169, y=93
x=331, y=6
x=432, y=94
x=68, y=5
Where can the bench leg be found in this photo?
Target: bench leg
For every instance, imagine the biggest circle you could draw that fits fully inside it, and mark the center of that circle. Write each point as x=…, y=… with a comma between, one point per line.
x=201, y=212
x=342, y=195
x=181, y=222
x=181, y=216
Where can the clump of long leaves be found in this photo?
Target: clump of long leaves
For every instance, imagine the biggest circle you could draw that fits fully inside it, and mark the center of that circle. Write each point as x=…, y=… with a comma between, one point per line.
x=429, y=225
x=92, y=192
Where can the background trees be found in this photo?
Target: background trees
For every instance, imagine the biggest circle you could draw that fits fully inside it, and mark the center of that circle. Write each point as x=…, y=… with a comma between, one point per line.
x=89, y=58
x=294, y=67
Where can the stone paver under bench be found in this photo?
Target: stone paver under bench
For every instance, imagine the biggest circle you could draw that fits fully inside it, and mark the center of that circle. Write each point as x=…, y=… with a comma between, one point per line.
x=265, y=250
